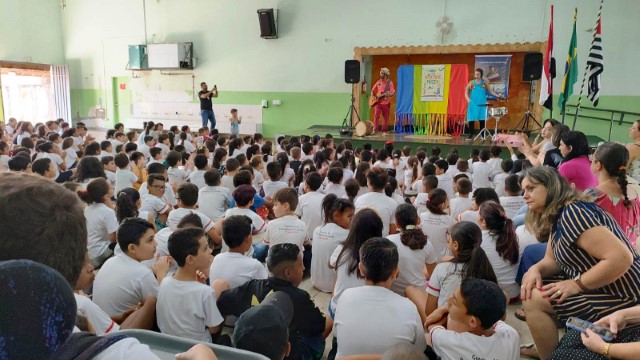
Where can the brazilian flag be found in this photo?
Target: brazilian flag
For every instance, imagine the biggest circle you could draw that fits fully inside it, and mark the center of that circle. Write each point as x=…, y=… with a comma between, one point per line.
x=570, y=68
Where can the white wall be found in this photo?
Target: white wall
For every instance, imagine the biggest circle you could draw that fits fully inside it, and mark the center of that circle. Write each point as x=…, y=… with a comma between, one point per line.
x=317, y=36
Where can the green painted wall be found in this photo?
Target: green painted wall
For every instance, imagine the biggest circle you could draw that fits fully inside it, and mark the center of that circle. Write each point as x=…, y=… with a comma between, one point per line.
x=82, y=100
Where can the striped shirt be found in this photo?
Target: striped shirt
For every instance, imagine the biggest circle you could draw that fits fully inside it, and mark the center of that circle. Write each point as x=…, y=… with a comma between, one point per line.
x=577, y=218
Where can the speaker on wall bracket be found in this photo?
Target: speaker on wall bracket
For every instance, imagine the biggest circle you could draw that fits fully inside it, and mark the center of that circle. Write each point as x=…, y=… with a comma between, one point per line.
x=268, y=23
x=532, y=66
x=352, y=71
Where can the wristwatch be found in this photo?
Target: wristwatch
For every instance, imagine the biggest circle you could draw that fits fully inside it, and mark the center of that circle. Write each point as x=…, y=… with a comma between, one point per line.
x=579, y=282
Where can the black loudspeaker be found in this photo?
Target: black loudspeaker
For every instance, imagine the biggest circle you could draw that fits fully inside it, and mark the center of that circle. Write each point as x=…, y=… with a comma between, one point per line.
x=352, y=71
x=532, y=68
x=268, y=27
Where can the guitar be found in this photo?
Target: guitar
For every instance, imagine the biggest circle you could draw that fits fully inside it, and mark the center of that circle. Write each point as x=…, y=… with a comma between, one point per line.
x=374, y=99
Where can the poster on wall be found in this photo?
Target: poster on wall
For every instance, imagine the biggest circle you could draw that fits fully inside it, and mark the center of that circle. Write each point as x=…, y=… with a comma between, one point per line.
x=496, y=72
x=432, y=87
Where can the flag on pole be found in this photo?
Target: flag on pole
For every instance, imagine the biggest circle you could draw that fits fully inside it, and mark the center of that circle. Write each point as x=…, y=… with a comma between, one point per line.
x=570, y=68
x=595, y=63
x=545, y=87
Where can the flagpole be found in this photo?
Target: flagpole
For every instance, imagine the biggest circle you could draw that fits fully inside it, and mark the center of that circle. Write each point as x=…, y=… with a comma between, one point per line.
x=586, y=68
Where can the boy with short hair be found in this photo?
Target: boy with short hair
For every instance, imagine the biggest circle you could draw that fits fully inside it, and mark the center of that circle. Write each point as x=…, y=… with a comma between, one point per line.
x=372, y=318
x=286, y=228
x=176, y=175
x=106, y=149
x=481, y=171
x=274, y=170
x=213, y=199
x=152, y=201
x=495, y=162
x=512, y=201
x=308, y=327
x=44, y=167
x=187, y=196
x=429, y=183
x=296, y=154
x=499, y=179
x=233, y=266
x=445, y=181
x=186, y=305
x=123, y=280
x=232, y=167
x=125, y=178
x=334, y=176
x=163, y=144
x=473, y=326
x=146, y=147
x=155, y=156
x=462, y=202
x=309, y=208
x=109, y=167
x=463, y=167
x=197, y=176
x=119, y=138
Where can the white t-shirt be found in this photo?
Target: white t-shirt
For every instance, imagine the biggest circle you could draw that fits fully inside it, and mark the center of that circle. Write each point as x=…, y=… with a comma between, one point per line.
x=169, y=196
x=498, y=182
x=121, y=283
x=310, y=210
x=287, y=229
x=452, y=171
x=177, y=176
x=111, y=178
x=469, y=215
x=288, y=176
x=525, y=238
x=128, y=348
x=444, y=281
x=420, y=202
x=445, y=182
x=197, y=178
x=382, y=204
x=227, y=181
x=326, y=239
x=505, y=271
x=336, y=189
x=435, y=227
x=271, y=187
x=100, y=321
x=372, y=319
x=258, y=226
x=71, y=157
x=411, y=265
x=4, y=162
x=101, y=222
x=165, y=149
x=481, y=175
x=236, y=269
x=153, y=205
x=458, y=205
x=344, y=279
x=496, y=166
x=504, y=344
x=213, y=201
x=144, y=149
x=177, y=214
x=124, y=179
x=258, y=180
x=511, y=205
x=186, y=308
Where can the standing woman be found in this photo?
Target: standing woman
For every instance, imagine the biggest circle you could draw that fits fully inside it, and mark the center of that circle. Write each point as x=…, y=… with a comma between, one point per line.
x=634, y=151
x=589, y=269
x=613, y=193
x=576, y=167
x=476, y=95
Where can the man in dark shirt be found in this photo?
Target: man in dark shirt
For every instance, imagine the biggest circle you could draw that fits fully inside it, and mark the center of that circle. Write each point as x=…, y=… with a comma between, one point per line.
x=206, y=107
x=308, y=327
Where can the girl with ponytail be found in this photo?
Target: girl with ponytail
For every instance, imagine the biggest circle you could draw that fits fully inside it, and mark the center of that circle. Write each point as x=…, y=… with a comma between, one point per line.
x=435, y=221
x=614, y=193
x=326, y=238
x=417, y=257
x=468, y=261
x=500, y=243
x=128, y=205
x=102, y=222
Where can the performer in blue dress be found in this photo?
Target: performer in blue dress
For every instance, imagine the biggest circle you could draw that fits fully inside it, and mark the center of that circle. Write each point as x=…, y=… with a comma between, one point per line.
x=476, y=95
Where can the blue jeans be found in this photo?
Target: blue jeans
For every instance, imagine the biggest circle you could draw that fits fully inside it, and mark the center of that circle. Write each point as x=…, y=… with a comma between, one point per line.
x=208, y=115
x=531, y=255
x=260, y=252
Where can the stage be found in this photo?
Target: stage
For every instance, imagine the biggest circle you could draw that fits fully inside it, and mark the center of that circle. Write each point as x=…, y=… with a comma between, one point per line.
x=446, y=143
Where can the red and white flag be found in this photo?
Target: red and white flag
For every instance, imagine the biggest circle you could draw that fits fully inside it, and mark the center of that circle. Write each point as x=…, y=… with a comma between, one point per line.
x=545, y=86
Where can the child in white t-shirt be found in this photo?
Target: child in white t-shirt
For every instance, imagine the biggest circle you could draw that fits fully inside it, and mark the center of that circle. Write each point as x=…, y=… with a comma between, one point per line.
x=463, y=167
x=187, y=196
x=445, y=181
x=481, y=171
x=309, y=207
x=213, y=199
x=326, y=238
x=334, y=176
x=178, y=176
x=71, y=158
x=232, y=167
x=417, y=256
x=435, y=221
x=286, y=228
x=124, y=281
x=125, y=178
x=498, y=179
x=201, y=164
x=152, y=201
x=274, y=170
x=257, y=163
x=109, y=167
x=428, y=183
x=4, y=156
x=469, y=327
x=146, y=147
x=155, y=156
x=462, y=202
x=102, y=223
x=163, y=144
x=186, y=305
x=512, y=201
x=495, y=162
x=233, y=266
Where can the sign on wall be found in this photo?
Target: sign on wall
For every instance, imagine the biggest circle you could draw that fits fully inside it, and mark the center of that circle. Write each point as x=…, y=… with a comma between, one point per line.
x=496, y=70
x=432, y=87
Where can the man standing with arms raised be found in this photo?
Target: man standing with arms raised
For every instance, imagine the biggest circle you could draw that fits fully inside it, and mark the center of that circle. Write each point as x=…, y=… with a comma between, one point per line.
x=206, y=107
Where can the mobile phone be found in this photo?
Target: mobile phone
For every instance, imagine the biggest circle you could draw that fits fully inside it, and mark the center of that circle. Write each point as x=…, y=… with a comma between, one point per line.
x=582, y=326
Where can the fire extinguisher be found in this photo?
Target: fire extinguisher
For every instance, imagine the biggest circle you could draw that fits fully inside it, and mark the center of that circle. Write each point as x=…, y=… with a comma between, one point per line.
x=364, y=86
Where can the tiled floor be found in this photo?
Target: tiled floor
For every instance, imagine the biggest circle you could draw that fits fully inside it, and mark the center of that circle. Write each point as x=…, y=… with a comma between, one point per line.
x=322, y=300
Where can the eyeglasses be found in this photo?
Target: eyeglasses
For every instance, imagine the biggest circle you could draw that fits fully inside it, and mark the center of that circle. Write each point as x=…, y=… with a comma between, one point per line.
x=159, y=187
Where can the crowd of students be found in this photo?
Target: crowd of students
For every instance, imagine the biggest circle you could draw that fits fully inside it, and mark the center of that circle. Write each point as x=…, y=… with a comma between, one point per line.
x=195, y=231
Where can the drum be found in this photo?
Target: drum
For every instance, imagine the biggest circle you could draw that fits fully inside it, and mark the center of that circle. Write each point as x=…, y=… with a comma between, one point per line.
x=363, y=128
x=498, y=111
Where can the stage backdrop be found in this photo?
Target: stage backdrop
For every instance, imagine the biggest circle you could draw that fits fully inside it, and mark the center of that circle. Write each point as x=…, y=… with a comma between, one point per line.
x=430, y=98
x=518, y=90
x=496, y=72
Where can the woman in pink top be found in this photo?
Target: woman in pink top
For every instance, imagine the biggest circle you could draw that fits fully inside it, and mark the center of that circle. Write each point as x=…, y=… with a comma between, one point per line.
x=576, y=167
x=614, y=194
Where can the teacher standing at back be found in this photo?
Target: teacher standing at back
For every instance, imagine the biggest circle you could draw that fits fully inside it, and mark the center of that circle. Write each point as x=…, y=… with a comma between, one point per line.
x=206, y=107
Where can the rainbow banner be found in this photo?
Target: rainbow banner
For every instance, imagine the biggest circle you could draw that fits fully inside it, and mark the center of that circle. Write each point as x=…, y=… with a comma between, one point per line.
x=430, y=99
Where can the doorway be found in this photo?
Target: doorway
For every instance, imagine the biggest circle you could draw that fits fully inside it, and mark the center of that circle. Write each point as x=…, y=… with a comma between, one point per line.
x=121, y=99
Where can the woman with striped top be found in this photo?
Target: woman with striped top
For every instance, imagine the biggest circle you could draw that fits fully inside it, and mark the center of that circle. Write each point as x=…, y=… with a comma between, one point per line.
x=589, y=269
